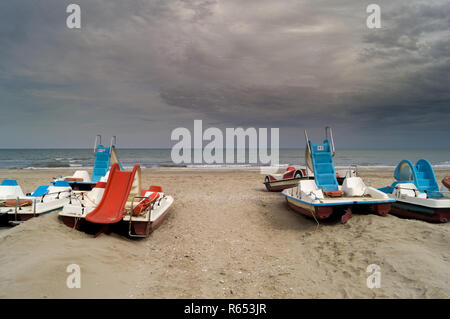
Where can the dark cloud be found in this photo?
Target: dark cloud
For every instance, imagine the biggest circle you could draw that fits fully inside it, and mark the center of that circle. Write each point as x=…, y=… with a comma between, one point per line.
x=139, y=68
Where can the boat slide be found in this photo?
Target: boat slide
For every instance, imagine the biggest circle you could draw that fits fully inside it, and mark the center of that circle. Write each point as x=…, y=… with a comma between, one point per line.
x=119, y=201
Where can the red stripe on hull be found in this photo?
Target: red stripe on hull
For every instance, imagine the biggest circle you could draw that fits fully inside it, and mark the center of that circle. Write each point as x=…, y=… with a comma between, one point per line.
x=440, y=215
x=22, y=217
x=72, y=222
x=321, y=212
x=279, y=188
x=145, y=228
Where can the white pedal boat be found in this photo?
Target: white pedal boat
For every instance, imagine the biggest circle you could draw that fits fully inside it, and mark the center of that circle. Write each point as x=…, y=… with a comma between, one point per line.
x=144, y=210
x=322, y=197
x=353, y=197
x=16, y=207
x=417, y=193
x=104, y=158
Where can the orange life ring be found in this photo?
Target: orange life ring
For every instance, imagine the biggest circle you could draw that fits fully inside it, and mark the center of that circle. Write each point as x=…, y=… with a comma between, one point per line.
x=145, y=203
x=334, y=193
x=446, y=181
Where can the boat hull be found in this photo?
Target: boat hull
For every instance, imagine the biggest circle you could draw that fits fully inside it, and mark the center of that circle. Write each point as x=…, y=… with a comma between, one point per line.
x=324, y=212
x=140, y=228
x=144, y=228
x=72, y=222
x=411, y=211
x=14, y=219
x=280, y=185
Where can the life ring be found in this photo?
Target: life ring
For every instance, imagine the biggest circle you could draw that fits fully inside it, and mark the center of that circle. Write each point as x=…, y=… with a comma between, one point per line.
x=338, y=193
x=446, y=182
x=145, y=203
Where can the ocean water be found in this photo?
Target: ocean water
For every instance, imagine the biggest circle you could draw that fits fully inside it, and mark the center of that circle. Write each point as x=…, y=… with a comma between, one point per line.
x=154, y=158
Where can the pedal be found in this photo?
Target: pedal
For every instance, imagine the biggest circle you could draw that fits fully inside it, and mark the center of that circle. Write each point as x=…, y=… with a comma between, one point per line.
x=15, y=222
x=346, y=216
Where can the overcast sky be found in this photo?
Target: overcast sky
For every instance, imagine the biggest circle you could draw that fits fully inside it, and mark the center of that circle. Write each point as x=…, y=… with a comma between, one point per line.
x=140, y=68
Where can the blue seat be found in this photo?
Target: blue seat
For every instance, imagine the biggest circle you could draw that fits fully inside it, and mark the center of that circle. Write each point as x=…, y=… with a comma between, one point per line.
x=41, y=191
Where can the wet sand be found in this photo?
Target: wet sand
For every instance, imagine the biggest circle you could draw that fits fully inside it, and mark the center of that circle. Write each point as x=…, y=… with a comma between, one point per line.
x=226, y=237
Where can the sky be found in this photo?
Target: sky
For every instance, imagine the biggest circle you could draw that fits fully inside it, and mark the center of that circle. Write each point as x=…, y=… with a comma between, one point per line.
x=140, y=68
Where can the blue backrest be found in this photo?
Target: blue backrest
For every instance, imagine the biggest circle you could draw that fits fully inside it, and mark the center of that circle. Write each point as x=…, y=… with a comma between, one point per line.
x=425, y=177
x=9, y=182
x=41, y=190
x=62, y=184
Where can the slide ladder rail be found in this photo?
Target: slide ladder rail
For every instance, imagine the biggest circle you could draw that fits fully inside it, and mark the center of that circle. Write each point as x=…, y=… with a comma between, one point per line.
x=111, y=207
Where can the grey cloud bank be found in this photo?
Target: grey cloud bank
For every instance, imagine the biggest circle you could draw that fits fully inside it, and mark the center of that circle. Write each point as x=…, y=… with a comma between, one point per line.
x=139, y=69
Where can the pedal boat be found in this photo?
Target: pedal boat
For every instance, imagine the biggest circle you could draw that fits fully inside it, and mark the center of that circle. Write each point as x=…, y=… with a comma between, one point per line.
x=290, y=178
x=292, y=175
x=121, y=202
x=16, y=207
x=323, y=197
x=80, y=204
x=104, y=158
x=352, y=197
x=417, y=193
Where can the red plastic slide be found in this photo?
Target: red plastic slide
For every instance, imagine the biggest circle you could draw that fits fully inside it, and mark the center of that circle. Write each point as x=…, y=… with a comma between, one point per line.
x=112, y=205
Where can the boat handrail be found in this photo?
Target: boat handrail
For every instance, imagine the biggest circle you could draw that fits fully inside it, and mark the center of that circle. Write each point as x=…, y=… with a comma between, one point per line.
x=74, y=196
x=150, y=208
x=307, y=141
x=34, y=207
x=112, y=144
x=98, y=140
x=349, y=170
x=329, y=130
x=58, y=192
x=309, y=149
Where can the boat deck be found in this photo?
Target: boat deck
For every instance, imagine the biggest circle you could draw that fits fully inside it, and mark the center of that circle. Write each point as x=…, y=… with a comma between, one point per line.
x=345, y=200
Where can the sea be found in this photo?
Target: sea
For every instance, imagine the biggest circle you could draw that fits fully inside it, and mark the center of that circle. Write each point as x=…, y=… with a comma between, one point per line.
x=161, y=158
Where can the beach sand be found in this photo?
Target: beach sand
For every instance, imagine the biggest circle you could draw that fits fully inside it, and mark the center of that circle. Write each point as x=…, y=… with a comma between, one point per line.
x=227, y=237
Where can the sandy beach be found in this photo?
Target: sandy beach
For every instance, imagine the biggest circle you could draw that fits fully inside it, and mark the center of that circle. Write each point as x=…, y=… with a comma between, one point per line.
x=226, y=237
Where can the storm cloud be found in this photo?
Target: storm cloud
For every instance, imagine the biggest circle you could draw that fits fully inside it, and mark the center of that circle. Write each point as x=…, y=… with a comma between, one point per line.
x=139, y=69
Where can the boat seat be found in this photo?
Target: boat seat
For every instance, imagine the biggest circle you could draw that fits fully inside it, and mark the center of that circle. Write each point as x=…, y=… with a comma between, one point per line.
x=408, y=190
x=308, y=189
x=353, y=186
x=154, y=188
